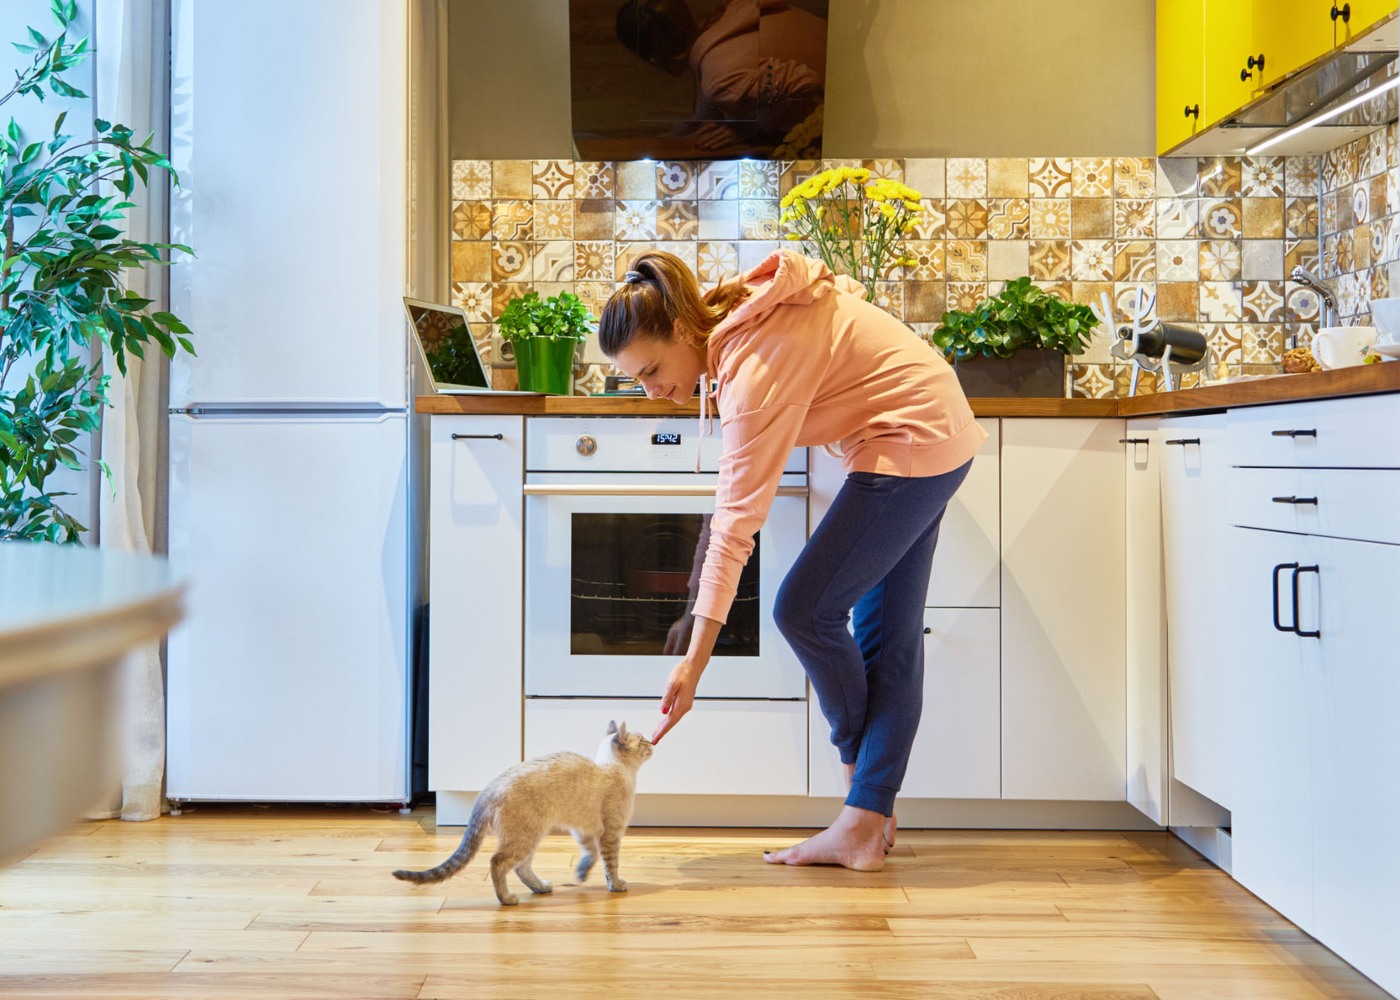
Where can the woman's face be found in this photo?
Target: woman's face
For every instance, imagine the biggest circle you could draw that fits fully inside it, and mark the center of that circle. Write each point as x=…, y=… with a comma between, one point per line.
x=667, y=368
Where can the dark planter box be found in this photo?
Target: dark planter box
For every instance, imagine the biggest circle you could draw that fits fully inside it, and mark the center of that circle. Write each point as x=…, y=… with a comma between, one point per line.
x=1025, y=373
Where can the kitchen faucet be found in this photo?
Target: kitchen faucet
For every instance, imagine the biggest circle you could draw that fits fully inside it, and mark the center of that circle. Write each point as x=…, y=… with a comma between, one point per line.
x=1304, y=277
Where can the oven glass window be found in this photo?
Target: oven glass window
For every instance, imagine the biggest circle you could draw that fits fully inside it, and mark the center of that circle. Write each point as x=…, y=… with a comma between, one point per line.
x=632, y=587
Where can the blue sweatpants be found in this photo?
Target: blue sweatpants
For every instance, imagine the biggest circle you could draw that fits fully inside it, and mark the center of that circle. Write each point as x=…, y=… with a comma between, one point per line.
x=872, y=555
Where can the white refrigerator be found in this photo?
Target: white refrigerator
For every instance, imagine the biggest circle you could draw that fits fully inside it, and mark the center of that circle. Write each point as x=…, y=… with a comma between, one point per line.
x=290, y=452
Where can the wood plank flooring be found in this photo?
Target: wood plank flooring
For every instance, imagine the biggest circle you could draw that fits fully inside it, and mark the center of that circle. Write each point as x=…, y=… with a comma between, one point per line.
x=284, y=903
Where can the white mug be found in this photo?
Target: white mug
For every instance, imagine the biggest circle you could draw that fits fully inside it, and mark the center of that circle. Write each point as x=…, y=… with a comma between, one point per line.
x=1340, y=346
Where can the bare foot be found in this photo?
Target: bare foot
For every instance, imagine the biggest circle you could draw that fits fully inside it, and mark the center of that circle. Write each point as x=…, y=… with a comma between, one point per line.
x=889, y=832
x=855, y=840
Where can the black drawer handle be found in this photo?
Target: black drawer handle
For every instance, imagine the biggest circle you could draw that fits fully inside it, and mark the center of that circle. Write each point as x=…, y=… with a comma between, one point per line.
x=1277, y=623
x=928, y=631
x=1294, y=434
x=1297, y=572
x=1296, y=500
x=1132, y=440
x=1344, y=13
x=1185, y=441
x=478, y=437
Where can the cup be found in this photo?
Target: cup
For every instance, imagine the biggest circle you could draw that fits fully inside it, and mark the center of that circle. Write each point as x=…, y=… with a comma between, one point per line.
x=1341, y=346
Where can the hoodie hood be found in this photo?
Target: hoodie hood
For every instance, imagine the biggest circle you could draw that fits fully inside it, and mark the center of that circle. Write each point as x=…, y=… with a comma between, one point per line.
x=783, y=278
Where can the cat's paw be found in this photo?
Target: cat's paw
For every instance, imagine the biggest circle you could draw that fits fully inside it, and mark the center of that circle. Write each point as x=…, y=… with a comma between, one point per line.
x=584, y=867
x=616, y=885
x=509, y=899
x=544, y=887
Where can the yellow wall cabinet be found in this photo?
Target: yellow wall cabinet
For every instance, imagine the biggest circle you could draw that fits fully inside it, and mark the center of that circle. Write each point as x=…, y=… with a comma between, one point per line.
x=1363, y=14
x=1180, y=70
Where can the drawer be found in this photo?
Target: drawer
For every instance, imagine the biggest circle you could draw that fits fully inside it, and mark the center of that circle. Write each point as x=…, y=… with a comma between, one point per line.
x=1363, y=504
x=1356, y=432
x=720, y=748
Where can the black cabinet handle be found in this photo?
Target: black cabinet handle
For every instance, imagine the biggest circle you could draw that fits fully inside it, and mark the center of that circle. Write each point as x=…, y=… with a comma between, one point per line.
x=1294, y=434
x=1252, y=63
x=1193, y=111
x=1185, y=441
x=478, y=437
x=928, y=631
x=1297, y=572
x=1295, y=500
x=1344, y=13
x=1277, y=623
x=1132, y=441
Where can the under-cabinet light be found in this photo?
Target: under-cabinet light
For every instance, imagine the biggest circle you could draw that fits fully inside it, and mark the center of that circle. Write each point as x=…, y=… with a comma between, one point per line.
x=1327, y=115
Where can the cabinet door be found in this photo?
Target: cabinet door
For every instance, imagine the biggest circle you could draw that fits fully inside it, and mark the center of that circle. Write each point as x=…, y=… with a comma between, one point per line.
x=957, y=753
x=1063, y=690
x=1229, y=42
x=1355, y=702
x=474, y=588
x=1180, y=70
x=1146, y=637
x=1291, y=33
x=1364, y=15
x=1269, y=790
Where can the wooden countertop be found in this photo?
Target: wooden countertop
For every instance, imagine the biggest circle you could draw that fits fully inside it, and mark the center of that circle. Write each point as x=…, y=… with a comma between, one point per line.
x=1359, y=380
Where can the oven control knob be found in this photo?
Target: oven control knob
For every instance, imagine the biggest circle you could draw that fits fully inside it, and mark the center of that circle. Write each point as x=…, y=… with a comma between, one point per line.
x=586, y=445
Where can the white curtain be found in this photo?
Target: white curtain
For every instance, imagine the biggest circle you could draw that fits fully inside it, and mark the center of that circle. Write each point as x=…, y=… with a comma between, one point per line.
x=132, y=87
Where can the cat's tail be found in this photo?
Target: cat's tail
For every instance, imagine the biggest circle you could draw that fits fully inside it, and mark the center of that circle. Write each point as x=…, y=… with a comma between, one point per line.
x=461, y=857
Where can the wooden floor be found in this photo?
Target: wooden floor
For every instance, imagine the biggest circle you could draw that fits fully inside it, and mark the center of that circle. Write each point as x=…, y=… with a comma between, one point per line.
x=280, y=903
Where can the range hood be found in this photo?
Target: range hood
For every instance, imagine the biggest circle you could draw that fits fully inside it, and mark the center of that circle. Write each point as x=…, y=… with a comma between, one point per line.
x=1345, y=77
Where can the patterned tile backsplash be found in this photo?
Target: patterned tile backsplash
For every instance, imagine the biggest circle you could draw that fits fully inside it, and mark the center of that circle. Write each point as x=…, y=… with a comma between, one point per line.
x=1214, y=239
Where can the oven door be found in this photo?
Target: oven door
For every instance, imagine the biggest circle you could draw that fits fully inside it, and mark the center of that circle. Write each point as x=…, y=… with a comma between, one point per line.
x=609, y=570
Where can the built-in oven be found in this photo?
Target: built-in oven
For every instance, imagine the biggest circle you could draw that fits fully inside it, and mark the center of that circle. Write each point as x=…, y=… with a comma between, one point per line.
x=615, y=522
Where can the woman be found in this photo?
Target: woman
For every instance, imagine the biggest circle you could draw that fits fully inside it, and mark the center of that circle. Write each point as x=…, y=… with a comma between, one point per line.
x=799, y=358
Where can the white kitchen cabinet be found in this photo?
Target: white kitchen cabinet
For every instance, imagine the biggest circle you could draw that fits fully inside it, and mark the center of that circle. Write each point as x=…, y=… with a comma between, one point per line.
x=475, y=588
x=1145, y=660
x=1063, y=607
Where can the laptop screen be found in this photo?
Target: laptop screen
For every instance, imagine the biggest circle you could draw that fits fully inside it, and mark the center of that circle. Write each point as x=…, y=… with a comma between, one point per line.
x=448, y=349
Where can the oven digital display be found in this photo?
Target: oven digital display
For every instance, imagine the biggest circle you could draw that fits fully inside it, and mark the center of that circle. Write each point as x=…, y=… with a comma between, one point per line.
x=666, y=437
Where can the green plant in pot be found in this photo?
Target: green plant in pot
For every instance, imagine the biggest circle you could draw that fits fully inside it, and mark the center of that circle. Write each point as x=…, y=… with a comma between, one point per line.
x=544, y=333
x=1014, y=343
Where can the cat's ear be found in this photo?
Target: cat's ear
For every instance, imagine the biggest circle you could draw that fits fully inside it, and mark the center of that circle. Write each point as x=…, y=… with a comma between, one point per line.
x=622, y=731
x=612, y=728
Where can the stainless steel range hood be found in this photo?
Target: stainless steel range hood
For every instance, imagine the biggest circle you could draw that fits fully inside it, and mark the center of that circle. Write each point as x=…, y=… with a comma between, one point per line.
x=1362, y=68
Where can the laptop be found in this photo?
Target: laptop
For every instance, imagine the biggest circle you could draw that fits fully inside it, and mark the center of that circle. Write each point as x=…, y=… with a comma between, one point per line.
x=449, y=353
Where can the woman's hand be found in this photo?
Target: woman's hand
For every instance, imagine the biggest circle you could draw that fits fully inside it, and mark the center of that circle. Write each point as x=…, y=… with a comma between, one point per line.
x=679, y=697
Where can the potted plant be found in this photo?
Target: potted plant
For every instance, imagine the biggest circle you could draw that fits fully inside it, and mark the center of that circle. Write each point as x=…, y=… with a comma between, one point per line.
x=1014, y=343
x=544, y=333
x=62, y=295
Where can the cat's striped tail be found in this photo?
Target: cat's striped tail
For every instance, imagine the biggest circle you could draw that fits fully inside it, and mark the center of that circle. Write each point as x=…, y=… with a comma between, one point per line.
x=461, y=857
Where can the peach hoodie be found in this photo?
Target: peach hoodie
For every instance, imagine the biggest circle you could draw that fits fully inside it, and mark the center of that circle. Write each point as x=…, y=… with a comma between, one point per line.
x=806, y=361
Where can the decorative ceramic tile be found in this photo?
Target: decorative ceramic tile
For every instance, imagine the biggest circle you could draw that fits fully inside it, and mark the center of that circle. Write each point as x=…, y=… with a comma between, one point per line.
x=932, y=222
x=675, y=180
x=1263, y=301
x=1218, y=177
x=1091, y=381
x=595, y=219
x=1220, y=260
x=1049, y=260
x=1176, y=218
x=554, y=220
x=1376, y=197
x=1361, y=248
x=1092, y=260
x=1221, y=220
x=592, y=381
x=595, y=261
x=758, y=179
x=1091, y=177
x=758, y=219
x=717, y=261
x=593, y=294
x=753, y=252
x=1134, y=177
x=718, y=180
x=1178, y=301
x=1301, y=304
x=718, y=220
x=1262, y=343
x=512, y=178
x=967, y=219
x=1301, y=253
x=928, y=260
x=1327, y=214
x=1379, y=231
x=925, y=301
x=1091, y=218
x=627, y=254
x=963, y=296
x=1262, y=260
x=794, y=173
x=512, y=221
x=554, y=261
x=471, y=180
x=1135, y=261
x=1347, y=161
x=1361, y=202
x=889, y=296
x=1008, y=177
x=553, y=179
x=892, y=170
x=1178, y=260
x=1050, y=218
x=1135, y=218
x=635, y=180
x=1300, y=217
x=1051, y=177
x=1371, y=161
x=471, y=260
x=1262, y=218
x=502, y=292
x=1261, y=176
x=678, y=220
x=1221, y=302
x=965, y=260
x=967, y=177
x=1392, y=193
x=636, y=220
x=1224, y=342
x=471, y=220
x=1091, y=293
x=927, y=175
x=1008, y=218
x=1176, y=177
x=1380, y=283
x=1301, y=178
x=475, y=299
x=594, y=179
x=1008, y=259
x=510, y=261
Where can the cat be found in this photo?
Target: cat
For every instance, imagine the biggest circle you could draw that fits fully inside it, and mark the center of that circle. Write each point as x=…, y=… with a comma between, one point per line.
x=556, y=793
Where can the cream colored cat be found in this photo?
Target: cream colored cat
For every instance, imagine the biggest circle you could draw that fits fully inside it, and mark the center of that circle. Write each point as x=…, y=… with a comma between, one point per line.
x=556, y=793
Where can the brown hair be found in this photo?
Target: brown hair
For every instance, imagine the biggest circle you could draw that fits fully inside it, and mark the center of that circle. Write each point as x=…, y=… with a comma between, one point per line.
x=660, y=289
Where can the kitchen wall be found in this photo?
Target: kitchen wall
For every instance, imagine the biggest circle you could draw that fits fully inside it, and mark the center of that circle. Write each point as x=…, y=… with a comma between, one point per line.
x=1213, y=239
